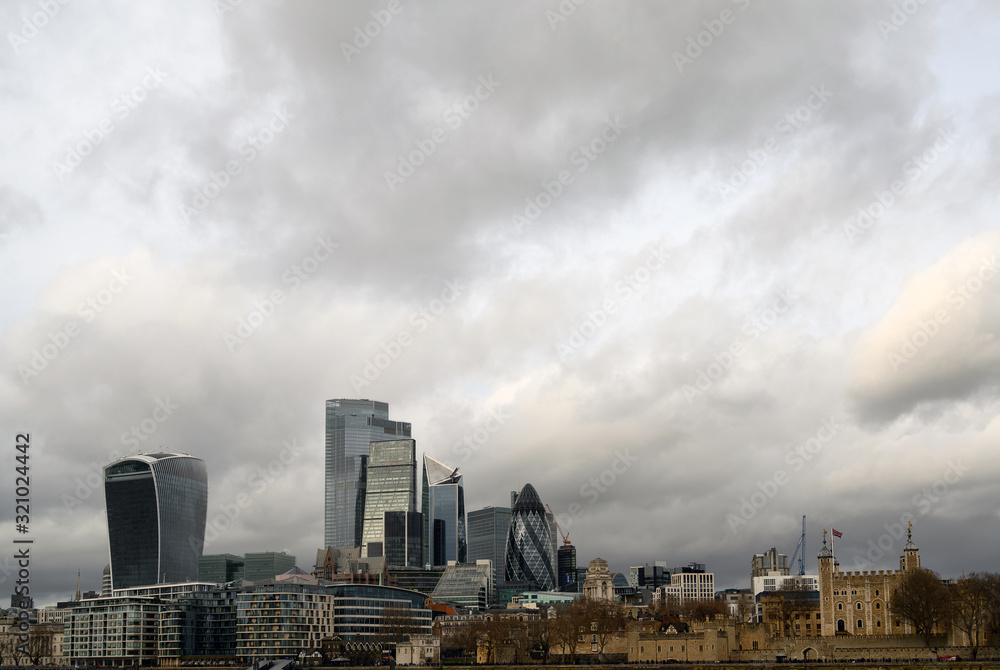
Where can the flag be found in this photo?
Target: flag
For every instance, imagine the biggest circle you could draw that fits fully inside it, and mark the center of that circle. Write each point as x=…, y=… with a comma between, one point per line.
x=837, y=533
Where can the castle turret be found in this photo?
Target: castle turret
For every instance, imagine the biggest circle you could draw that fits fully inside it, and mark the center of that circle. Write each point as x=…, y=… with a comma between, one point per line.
x=910, y=560
x=827, y=567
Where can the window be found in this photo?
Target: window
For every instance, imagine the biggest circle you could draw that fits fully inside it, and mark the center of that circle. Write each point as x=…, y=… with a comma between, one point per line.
x=861, y=623
x=840, y=606
x=859, y=605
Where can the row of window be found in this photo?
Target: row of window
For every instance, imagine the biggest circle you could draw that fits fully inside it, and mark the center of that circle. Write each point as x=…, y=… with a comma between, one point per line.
x=840, y=606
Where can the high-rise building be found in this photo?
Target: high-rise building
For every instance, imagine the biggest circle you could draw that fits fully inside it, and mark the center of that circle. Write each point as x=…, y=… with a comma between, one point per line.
x=263, y=565
x=769, y=564
x=553, y=535
x=648, y=576
x=566, y=570
x=468, y=585
x=156, y=506
x=528, y=555
x=220, y=568
x=404, y=539
x=351, y=426
x=444, y=499
x=688, y=583
x=391, y=486
x=488, y=528
x=106, y=581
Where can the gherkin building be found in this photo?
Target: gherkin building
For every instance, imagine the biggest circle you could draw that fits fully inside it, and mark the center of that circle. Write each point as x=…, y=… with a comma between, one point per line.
x=529, y=543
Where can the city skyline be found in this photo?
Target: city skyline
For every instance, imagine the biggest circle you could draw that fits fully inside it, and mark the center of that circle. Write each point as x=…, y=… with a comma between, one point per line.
x=695, y=271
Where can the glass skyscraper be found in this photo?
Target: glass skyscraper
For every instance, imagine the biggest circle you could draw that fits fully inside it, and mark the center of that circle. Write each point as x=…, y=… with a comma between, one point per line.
x=391, y=486
x=404, y=539
x=488, y=528
x=156, y=506
x=528, y=556
x=351, y=426
x=444, y=500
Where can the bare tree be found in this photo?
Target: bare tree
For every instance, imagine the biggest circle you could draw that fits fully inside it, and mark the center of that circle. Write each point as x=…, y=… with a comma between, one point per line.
x=502, y=634
x=699, y=610
x=795, y=600
x=606, y=618
x=567, y=628
x=970, y=604
x=992, y=619
x=921, y=600
x=461, y=638
x=541, y=635
x=7, y=642
x=39, y=644
x=396, y=626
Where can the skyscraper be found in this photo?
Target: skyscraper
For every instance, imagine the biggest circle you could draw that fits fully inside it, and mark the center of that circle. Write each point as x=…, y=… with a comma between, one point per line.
x=404, y=539
x=351, y=426
x=444, y=499
x=488, y=528
x=528, y=556
x=156, y=506
x=566, y=572
x=391, y=487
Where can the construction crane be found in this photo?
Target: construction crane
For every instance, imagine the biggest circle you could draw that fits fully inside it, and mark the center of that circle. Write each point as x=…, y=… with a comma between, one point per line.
x=565, y=536
x=800, y=550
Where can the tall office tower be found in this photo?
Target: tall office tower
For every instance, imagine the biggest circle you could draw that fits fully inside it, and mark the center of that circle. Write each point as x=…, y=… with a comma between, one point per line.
x=264, y=565
x=220, y=568
x=444, y=499
x=351, y=426
x=553, y=534
x=488, y=529
x=157, y=506
x=391, y=487
x=566, y=574
x=528, y=554
x=404, y=540
x=769, y=564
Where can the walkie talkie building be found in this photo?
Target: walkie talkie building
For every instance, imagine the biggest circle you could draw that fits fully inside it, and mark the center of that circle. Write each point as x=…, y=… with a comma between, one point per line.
x=157, y=506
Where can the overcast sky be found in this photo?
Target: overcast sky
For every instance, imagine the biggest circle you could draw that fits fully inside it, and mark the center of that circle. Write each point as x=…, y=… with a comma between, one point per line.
x=694, y=270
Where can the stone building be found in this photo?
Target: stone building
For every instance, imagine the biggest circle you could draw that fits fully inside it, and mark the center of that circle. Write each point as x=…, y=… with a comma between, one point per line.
x=599, y=583
x=859, y=602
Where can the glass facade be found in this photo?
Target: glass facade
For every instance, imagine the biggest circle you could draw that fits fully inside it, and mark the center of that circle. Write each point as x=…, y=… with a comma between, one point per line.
x=391, y=485
x=351, y=426
x=404, y=539
x=156, y=508
x=488, y=528
x=467, y=585
x=220, y=568
x=158, y=626
x=263, y=565
x=444, y=500
x=567, y=567
x=527, y=557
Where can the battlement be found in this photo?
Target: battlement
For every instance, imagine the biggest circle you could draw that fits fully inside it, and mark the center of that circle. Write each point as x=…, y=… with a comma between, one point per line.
x=861, y=574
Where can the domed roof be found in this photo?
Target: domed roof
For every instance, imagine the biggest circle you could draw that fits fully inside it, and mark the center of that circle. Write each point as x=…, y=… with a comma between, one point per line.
x=528, y=501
